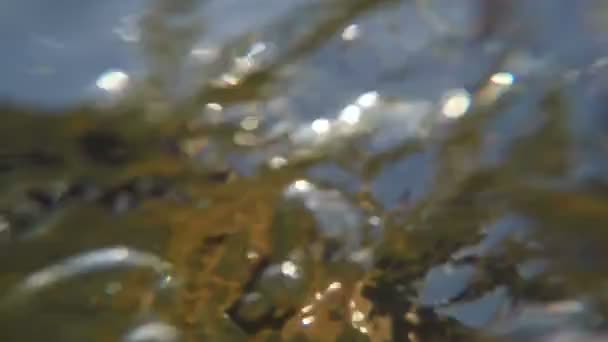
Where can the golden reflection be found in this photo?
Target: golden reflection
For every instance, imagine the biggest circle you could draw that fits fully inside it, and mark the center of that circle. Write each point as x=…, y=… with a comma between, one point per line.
x=456, y=103
x=307, y=309
x=308, y=320
x=334, y=286
x=357, y=316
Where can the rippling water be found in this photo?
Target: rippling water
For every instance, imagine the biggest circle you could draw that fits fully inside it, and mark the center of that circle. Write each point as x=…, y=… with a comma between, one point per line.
x=319, y=170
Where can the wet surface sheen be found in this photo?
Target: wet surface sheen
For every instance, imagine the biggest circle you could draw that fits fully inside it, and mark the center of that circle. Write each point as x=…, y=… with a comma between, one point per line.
x=336, y=170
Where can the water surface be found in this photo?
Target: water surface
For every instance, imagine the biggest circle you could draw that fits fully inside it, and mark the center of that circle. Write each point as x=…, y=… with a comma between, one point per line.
x=373, y=170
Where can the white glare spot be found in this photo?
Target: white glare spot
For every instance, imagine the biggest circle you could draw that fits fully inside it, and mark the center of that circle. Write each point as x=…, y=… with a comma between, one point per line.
x=307, y=309
x=302, y=185
x=256, y=49
x=252, y=255
x=308, y=320
x=503, y=78
x=299, y=188
x=250, y=123
x=320, y=126
x=358, y=316
x=412, y=318
x=363, y=330
x=153, y=331
x=352, y=304
x=318, y=295
x=456, y=104
x=205, y=55
x=94, y=261
x=119, y=254
x=113, y=81
x=277, y=162
x=351, y=32
x=229, y=80
x=351, y=114
x=334, y=286
x=215, y=106
x=374, y=221
x=368, y=100
x=290, y=269
x=247, y=62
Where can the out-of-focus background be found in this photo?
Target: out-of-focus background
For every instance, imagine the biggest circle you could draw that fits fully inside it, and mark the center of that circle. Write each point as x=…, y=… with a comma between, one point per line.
x=303, y=170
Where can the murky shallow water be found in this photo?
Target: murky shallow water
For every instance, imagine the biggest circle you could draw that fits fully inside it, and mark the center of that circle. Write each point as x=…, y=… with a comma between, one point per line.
x=303, y=170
